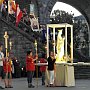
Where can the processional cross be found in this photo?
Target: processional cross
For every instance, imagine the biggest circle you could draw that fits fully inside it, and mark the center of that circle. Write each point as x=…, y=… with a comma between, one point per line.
x=6, y=42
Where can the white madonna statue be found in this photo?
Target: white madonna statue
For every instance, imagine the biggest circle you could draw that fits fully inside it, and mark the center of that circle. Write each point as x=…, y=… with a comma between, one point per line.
x=60, y=47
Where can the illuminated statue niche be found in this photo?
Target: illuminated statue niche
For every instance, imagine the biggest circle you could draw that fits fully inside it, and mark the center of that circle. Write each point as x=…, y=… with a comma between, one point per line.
x=60, y=48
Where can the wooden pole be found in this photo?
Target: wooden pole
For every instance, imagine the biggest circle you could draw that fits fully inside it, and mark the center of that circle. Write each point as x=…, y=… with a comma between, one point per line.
x=66, y=42
x=54, y=39
x=47, y=41
x=36, y=63
x=71, y=44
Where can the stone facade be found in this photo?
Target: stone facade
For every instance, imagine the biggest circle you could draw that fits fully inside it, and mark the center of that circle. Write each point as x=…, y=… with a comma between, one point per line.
x=20, y=44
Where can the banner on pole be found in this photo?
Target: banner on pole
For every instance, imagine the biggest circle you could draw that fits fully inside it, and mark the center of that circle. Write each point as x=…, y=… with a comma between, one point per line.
x=10, y=10
x=34, y=24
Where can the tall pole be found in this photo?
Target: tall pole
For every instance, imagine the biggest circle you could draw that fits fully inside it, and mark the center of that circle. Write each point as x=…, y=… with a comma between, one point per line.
x=54, y=40
x=6, y=42
x=36, y=63
x=66, y=42
x=47, y=41
x=71, y=44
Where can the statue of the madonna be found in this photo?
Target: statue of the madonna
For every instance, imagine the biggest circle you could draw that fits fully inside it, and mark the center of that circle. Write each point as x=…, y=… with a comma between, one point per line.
x=60, y=47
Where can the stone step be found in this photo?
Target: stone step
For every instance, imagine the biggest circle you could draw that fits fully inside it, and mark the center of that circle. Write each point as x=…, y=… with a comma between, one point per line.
x=82, y=72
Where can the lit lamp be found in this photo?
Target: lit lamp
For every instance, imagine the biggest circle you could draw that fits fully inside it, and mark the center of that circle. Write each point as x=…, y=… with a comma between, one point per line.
x=36, y=62
x=36, y=46
x=10, y=43
x=46, y=47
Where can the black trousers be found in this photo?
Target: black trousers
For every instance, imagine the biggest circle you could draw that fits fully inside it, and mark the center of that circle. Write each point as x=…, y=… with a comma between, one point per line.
x=30, y=76
x=43, y=78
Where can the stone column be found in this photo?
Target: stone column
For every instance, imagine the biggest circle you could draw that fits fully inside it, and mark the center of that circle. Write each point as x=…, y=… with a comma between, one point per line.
x=89, y=38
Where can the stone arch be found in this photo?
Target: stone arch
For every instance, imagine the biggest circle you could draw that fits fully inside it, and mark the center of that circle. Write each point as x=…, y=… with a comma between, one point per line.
x=82, y=6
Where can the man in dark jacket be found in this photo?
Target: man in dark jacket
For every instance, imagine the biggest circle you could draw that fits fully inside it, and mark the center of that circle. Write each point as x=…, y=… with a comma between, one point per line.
x=51, y=64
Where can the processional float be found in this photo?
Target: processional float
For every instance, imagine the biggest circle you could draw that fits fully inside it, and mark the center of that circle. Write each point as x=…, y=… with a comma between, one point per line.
x=64, y=71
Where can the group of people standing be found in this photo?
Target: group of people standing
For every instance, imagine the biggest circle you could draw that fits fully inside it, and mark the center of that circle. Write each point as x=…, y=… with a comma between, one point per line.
x=6, y=68
x=30, y=67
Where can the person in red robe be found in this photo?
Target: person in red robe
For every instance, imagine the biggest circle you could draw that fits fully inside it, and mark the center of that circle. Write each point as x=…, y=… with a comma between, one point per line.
x=30, y=68
x=7, y=67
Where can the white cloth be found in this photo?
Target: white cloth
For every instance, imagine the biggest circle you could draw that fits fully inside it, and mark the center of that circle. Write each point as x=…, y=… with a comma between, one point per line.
x=1, y=56
x=51, y=73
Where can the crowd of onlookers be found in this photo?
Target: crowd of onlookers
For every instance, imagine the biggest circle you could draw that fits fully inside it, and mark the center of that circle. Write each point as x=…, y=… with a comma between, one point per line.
x=26, y=18
x=28, y=21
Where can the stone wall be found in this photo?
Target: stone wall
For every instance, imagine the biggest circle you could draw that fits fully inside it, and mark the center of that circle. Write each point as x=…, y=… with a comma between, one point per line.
x=82, y=72
x=20, y=44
